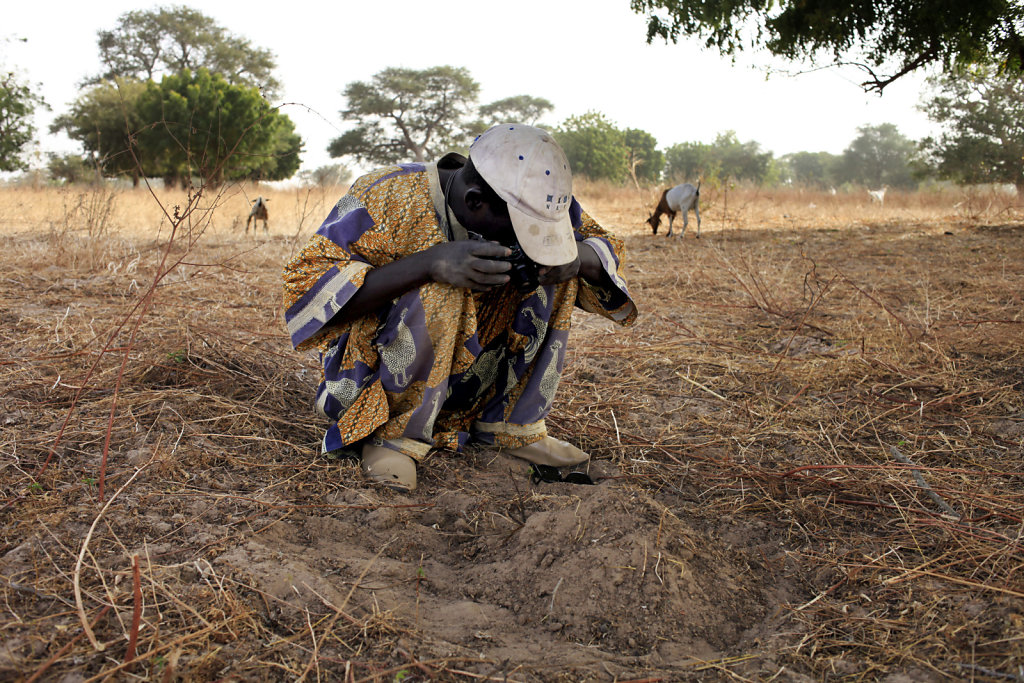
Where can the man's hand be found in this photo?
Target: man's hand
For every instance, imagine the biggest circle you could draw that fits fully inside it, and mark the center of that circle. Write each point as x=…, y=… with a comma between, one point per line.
x=553, y=275
x=469, y=263
x=586, y=265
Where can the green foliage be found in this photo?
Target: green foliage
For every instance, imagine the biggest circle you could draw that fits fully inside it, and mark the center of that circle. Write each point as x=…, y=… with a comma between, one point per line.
x=726, y=157
x=595, y=147
x=169, y=40
x=644, y=155
x=199, y=124
x=873, y=35
x=71, y=168
x=516, y=109
x=879, y=155
x=687, y=160
x=741, y=160
x=189, y=124
x=18, y=102
x=404, y=114
x=813, y=169
x=982, y=115
x=102, y=120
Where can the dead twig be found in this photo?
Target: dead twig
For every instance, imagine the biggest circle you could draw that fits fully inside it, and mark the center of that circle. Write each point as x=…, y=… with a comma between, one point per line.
x=919, y=478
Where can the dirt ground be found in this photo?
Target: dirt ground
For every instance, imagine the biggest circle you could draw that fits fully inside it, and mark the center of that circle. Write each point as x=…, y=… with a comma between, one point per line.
x=808, y=454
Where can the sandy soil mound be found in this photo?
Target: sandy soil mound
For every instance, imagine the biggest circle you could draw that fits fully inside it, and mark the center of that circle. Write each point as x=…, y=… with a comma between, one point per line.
x=600, y=580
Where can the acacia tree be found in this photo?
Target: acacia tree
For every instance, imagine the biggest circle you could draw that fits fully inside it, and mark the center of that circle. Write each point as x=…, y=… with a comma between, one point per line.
x=518, y=109
x=146, y=44
x=18, y=102
x=403, y=114
x=871, y=35
x=199, y=124
x=982, y=114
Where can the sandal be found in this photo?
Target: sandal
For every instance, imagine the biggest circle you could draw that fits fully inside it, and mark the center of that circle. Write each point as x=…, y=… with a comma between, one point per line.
x=389, y=467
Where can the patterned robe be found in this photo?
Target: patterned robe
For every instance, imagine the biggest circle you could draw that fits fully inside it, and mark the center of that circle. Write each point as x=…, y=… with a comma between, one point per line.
x=441, y=363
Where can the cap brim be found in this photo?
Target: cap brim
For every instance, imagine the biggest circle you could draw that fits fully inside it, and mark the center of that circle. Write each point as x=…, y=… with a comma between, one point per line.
x=549, y=243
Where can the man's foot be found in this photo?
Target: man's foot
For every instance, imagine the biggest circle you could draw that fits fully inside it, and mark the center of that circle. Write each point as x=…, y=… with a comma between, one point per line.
x=550, y=451
x=389, y=467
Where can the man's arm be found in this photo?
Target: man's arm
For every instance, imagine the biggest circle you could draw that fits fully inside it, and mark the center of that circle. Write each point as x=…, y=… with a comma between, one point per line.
x=465, y=263
x=587, y=265
x=591, y=268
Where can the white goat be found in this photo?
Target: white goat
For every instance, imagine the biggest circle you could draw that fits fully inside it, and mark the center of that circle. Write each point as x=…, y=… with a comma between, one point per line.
x=258, y=213
x=878, y=195
x=679, y=198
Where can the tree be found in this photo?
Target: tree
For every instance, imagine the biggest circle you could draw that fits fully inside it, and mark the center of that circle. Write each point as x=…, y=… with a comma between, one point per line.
x=595, y=147
x=330, y=174
x=18, y=102
x=644, y=155
x=71, y=168
x=146, y=44
x=516, y=109
x=879, y=155
x=740, y=160
x=815, y=169
x=404, y=114
x=103, y=119
x=726, y=157
x=199, y=124
x=687, y=161
x=870, y=35
x=982, y=114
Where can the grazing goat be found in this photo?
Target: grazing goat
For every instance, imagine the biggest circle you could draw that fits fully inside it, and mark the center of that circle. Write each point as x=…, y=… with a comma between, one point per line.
x=878, y=195
x=258, y=213
x=679, y=198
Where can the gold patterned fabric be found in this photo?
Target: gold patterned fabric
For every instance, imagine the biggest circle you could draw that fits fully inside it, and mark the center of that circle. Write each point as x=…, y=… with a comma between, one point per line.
x=440, y=364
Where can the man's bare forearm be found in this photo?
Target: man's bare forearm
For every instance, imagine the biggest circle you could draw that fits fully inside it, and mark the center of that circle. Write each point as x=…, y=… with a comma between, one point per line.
x=383, y=284
x=465, y=263
x=591, y=268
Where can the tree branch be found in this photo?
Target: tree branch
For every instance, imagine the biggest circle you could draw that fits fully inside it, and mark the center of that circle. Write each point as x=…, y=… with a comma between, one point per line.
x=878, y=83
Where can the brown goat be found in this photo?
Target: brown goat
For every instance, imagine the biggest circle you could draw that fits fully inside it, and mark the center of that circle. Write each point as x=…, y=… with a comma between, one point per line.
x=258, y=213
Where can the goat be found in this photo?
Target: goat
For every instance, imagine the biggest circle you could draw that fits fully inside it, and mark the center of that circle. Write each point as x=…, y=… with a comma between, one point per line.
x=258, y=213
x=878, y=195
x=679, y=198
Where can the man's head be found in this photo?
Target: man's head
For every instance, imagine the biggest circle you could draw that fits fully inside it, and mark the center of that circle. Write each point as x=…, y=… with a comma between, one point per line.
x=525, y=169
x=478, y=207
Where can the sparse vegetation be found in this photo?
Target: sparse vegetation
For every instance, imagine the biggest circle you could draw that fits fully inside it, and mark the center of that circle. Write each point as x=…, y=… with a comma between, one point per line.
x=752, y=519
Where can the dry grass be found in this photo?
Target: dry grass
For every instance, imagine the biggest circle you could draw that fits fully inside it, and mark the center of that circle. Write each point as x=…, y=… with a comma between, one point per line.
x=847, y=376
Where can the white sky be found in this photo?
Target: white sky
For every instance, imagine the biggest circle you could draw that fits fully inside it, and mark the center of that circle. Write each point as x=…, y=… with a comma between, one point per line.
x=581, y=55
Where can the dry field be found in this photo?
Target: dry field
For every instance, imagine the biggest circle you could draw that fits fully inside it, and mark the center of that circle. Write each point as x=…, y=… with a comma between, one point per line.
x=809, y=453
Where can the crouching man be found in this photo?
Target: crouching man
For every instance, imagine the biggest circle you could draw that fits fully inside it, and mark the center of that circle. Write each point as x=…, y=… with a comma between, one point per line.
x=440, y=297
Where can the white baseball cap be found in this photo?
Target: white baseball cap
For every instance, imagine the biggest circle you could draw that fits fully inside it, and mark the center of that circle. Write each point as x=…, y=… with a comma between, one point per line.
x=526, y=167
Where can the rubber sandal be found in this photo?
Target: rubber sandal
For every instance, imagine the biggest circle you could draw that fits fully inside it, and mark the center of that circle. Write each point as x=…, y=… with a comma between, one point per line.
x=391, y=468
x=551, y=452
